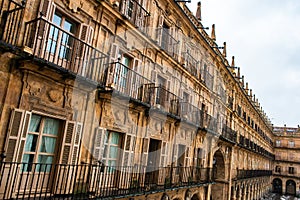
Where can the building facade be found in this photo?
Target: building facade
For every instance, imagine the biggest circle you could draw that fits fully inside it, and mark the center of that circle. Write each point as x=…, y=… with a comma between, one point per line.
x=127, y=99
x=286, y=166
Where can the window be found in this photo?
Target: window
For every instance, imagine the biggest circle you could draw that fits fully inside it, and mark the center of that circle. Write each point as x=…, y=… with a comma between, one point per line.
x=122, y=69
x=129, y=6
x=291, y=144
x=278, y=169
x=291, y=170
x=278, y=143
x=60, y=42
x=41, y=142
x=112, y=144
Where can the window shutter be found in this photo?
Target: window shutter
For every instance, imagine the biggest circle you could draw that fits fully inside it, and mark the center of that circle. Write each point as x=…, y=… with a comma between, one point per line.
x=188, y=157
x=153, y=76
x=164, y=155
x=14, y=134
x=175, y=154
x=83, y=36
x=46, y=9
x=76, y=143
x=145, y=149
x=67, y=142
x=90, y=35
x=137, y=66
x=99, y=143
x=114, y=52
x=161, y=21
x=128, y=154
x=24, y=135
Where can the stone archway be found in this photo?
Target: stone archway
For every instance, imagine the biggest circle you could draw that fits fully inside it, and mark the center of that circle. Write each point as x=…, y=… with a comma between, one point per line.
x=218, y=166
x=290, y=187
x=218, y=190
x=277, y=186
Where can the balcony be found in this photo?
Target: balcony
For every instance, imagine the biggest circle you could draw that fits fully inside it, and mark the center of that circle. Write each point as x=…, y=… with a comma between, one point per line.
x=11, y=19
x=161, y=98
x=211, y=123
x=191, y=113
x=190, y=63
x=167, y=42
x=126, y=81
x=245, y=174
x=229, y=134
x=135, y=13
x=85, y=181
x=51, y=45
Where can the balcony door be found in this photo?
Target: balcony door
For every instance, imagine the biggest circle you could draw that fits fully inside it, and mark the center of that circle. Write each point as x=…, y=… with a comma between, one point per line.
x=154, y=153
x=60, y=46
x=121, y=79
x=161, y=93
x=165, y=37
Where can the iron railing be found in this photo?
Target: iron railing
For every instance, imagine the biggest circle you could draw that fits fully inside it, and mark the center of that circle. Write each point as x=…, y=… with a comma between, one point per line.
x=229, y=134
x=93, y=181
x=190, y=63
x=11, y=14
x=244, y=174
x=252, y=146
x=211, y=123
x=135, y=13
x=127, y=81
x=165, y=100
x=53, y=45
x=191, y=113
x=167, y=42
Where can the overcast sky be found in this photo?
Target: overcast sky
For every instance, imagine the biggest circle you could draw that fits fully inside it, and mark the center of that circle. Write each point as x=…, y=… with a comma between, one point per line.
x=264, y=37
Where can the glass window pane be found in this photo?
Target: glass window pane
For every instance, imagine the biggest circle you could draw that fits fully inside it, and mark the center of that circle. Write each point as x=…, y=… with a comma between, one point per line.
x=27, y=159
x=114, y=138
x=51, y=126
x=113, y=152
x=45, y=163
x=35, y=123
x=105, y=151
x=31, y=141
x=57, y=19
x=69, y=26
x=47, y=144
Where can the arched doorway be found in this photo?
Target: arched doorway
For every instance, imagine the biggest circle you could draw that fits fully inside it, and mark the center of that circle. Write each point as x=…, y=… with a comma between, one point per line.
x=277, y=186
x=290, y=187
x=218, y=189
x=218, y=166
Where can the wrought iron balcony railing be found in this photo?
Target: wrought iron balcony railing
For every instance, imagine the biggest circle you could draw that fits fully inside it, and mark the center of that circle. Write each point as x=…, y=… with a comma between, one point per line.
x=51, y=44
x=191, y=113
x=163, y=99
x=127, y=81
x=190, y=63
x=167, y=42
x=85, y=181
x=229, y=134
x=244, y=174
x=211, y=123
x=11, y=14
x=135, y=13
